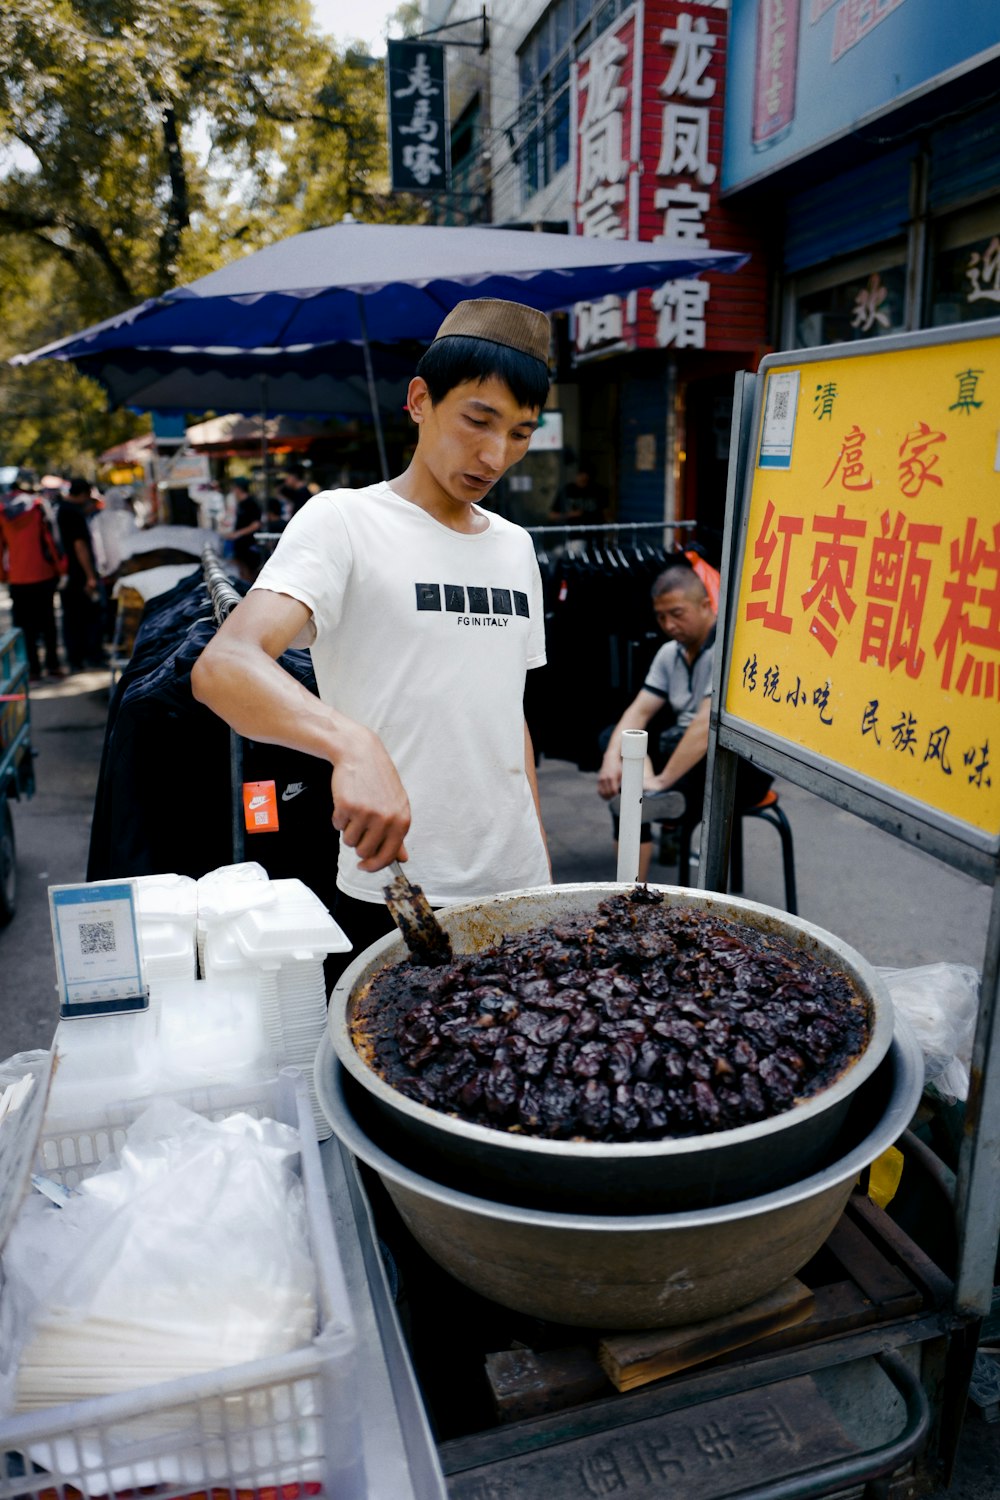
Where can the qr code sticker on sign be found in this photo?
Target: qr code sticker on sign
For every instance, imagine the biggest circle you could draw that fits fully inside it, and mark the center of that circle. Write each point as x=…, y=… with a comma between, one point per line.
x=780, y=409
x=261, y=818
x=97, y=937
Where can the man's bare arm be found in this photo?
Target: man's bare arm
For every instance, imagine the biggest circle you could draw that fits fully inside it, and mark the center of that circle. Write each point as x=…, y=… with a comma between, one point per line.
x=238, y=677
x=82, y=554
x=691, y=748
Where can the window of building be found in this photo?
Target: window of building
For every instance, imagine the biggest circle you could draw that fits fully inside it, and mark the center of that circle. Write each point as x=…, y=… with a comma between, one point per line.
x=862, y=299
x=542, y=133
x=467, y=197
x=965, y=269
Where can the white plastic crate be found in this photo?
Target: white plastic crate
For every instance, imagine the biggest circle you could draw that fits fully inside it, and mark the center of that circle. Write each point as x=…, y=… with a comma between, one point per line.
x=284, y=1428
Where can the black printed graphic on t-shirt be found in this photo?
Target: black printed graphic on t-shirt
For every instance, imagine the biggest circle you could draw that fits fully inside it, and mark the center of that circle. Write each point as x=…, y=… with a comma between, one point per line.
x=461, y=599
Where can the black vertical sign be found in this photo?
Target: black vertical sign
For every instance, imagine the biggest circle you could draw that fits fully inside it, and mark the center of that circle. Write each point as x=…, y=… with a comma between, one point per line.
x=418, y=117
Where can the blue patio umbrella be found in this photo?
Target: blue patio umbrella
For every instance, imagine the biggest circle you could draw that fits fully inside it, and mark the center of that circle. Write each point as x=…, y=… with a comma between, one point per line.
x=362, y=284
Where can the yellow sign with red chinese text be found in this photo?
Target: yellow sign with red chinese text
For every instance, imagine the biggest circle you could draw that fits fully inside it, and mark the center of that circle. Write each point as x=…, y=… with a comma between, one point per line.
x=867, y=627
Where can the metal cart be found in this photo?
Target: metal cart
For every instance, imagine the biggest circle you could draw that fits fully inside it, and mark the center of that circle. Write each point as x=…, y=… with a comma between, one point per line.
x=866, y=1397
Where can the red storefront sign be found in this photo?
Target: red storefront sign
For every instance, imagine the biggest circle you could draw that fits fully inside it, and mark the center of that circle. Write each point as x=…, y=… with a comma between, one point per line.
x=647, y=112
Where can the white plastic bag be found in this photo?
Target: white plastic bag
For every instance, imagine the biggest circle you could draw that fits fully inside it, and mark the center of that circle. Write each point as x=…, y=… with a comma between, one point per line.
x=941, y=1003
x=188, y=1252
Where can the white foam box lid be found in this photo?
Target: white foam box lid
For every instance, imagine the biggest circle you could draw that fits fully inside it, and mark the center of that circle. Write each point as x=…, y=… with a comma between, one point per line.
x=172, y=898
x=231, y=889
x=297, y=925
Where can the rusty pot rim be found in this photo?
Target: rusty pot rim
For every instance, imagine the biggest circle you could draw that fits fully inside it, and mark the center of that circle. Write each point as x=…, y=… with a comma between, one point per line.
x=392, y=949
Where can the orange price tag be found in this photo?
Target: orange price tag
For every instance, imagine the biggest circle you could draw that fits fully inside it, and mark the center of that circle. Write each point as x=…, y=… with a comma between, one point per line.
x=260, y=807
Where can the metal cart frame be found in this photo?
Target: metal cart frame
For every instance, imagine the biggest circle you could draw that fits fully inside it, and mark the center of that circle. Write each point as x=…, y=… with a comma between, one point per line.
x=976, y=1206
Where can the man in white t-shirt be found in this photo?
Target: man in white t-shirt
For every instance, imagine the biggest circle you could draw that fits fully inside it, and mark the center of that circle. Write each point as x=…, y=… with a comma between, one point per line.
x=422, y=612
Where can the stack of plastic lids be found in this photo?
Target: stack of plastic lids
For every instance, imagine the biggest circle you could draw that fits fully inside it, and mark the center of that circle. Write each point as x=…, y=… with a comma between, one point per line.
x=278, y=942
x=167, y=916
x=211, y=1030
x=101, y=1058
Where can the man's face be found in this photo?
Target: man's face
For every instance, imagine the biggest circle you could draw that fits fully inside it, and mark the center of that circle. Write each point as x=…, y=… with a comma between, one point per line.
x=470, y=438
x=684, y=619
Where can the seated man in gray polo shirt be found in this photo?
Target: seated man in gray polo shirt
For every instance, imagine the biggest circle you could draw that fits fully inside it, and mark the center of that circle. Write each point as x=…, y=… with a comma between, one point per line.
x=679, y=677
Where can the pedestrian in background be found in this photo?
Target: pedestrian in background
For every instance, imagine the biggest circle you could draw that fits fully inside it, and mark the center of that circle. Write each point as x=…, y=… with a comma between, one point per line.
x=30, y=565
x=293, y=490
x=82, y=596
x=246, y=523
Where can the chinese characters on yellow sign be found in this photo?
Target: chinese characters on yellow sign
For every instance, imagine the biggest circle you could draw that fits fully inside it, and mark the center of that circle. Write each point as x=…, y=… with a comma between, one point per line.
x=868, y=623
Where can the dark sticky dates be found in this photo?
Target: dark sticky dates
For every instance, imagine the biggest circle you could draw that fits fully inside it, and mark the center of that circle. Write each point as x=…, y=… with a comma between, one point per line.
x=638, y=1022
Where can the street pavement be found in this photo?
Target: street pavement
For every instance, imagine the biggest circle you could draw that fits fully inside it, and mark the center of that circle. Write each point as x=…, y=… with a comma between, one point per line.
x=896, y=905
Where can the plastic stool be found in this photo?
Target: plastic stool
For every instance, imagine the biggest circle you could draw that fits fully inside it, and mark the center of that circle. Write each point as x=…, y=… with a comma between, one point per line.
x=768, y=809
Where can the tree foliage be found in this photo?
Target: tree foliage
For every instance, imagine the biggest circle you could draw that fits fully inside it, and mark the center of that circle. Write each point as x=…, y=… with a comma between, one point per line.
x=146, y=142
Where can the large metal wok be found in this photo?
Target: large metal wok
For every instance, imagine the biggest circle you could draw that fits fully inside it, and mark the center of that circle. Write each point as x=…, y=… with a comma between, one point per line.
x=639, y=1271
x=655, y=1176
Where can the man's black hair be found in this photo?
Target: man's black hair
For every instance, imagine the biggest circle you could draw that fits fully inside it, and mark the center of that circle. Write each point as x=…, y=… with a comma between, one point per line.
x=451, y=361
x=678, y=577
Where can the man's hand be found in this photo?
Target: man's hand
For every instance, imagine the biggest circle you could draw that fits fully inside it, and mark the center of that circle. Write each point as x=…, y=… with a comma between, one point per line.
x=657, y=784
x=239, y=678
x=370, y=807
x=609, y=777
x=637, y=716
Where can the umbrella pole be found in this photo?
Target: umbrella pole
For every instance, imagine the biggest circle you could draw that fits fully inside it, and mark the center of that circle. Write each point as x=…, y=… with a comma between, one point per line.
x=372, y=394
x=263, y=439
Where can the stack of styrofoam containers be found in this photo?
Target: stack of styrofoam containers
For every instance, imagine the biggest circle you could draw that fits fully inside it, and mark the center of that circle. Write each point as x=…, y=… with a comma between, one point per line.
x=273, y=936
x=222, y=894
x=167, y=916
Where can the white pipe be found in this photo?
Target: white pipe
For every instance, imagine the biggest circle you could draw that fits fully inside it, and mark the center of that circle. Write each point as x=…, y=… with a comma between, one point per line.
x=630, y=818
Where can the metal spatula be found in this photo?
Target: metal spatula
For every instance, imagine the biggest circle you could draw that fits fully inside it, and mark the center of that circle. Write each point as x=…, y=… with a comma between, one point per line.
x=426, y=939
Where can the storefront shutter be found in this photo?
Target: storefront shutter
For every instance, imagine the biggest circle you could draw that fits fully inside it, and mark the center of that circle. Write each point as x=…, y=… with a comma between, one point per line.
x=849, y=212
x=965, y=159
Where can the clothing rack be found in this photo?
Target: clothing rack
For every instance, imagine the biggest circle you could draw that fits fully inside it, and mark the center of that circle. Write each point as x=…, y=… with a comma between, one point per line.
x=225, y=599
x=589, y=528
x=606, y=542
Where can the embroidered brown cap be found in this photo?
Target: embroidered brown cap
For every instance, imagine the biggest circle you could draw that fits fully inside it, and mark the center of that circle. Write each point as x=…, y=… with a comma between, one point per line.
x=509, y=323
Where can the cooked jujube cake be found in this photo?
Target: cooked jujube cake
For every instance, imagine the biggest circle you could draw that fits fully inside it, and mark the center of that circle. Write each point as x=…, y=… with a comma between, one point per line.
x=639, y=1021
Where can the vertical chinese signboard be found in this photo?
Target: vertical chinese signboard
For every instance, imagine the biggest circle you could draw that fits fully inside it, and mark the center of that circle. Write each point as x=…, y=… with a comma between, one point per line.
x=865, y=638
x=648, y=115
x=418, y=126
x=606, y=139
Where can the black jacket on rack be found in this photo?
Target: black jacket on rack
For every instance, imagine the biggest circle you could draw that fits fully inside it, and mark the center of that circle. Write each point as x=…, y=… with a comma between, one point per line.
x=600, y=638
x=164, y=801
